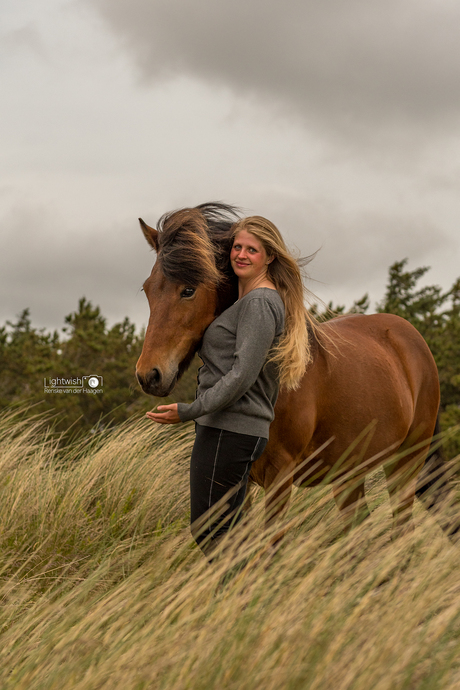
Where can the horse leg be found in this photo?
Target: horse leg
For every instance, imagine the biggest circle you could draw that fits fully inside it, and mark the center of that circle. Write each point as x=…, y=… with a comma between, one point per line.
x=247, y=505
x=246, y=508
x=401, y=478
x=278, y=488
x=351, y=502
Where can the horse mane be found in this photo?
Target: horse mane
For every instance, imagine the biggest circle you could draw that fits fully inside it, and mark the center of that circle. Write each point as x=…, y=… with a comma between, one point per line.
x=194, y=244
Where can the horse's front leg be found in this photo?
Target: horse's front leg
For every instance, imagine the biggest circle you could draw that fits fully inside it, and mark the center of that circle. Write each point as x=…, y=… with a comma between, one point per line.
x=248, y=499
x=401, y=483
x=351, y=502
x=277, y=483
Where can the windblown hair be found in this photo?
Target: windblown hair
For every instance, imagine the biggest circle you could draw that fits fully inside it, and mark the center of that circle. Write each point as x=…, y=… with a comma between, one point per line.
x=194, y=244
x=194, y=249
x=294, y=350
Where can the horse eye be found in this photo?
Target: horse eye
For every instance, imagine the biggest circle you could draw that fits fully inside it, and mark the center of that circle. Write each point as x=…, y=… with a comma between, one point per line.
x=187, y=292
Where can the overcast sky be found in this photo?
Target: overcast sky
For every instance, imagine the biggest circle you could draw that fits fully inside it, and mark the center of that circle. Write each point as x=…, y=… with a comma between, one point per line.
x=337, y=120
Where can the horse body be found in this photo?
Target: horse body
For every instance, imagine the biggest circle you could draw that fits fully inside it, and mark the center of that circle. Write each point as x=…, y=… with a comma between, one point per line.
x=371, y=390
x=380, y=377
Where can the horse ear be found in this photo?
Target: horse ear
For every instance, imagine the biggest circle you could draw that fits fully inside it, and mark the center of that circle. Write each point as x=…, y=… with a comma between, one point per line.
x=150, y=234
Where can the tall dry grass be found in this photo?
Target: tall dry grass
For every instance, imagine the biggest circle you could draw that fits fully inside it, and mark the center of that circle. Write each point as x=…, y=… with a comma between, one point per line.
x=102, y=587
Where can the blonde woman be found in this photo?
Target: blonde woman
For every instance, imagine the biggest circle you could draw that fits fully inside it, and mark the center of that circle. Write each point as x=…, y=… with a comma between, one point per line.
x=248, y=351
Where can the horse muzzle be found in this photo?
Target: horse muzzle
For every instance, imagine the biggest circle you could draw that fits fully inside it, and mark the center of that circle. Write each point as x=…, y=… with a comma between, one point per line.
x=154, y=383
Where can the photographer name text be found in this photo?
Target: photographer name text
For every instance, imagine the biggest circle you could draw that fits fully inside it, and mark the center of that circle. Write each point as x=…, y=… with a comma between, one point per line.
x=91, y=385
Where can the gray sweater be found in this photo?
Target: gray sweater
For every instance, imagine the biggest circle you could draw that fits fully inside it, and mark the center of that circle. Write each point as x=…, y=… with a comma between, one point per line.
x=237, y=388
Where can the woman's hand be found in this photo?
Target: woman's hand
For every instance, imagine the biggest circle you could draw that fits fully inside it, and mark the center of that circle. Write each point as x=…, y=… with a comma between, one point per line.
x=168, y=414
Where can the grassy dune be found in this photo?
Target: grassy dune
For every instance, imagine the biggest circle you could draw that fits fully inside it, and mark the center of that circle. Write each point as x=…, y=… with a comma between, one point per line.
x=102, y=587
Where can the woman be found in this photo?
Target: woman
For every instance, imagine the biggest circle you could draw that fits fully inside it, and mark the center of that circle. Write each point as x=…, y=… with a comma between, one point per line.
x=253, y=347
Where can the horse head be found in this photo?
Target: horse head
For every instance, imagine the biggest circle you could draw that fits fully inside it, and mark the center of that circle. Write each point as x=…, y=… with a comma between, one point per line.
x=190, y=284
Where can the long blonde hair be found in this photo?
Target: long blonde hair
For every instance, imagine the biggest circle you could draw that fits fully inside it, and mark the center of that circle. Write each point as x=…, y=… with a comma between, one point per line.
x=293, y=351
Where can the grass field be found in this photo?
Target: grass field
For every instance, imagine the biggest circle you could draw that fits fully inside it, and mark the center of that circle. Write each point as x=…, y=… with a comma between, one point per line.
x=102, y=587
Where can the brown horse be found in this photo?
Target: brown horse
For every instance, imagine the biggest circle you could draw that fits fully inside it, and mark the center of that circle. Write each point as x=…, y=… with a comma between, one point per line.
x=369, y=397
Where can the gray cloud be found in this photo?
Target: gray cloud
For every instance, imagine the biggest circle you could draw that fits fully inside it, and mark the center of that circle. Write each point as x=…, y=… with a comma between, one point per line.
x=26, y=37
x=333, y=119
x=47, y=265
x=362, y=69
x=355, y=247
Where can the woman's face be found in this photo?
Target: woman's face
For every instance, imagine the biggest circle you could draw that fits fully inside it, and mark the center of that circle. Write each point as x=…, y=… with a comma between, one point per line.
x=248, y=257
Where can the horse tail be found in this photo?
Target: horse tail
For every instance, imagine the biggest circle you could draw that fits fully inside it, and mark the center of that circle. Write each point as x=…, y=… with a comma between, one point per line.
x=434, y=485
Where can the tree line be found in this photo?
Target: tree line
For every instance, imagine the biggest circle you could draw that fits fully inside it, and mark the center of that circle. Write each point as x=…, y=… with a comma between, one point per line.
x=33, y=360
x=31, y=357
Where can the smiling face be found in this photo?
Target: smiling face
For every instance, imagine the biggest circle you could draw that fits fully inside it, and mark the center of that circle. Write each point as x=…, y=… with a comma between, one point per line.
x=248, y=257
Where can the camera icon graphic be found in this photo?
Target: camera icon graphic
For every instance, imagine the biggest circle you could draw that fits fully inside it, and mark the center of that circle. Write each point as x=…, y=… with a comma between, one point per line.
x=92, y=381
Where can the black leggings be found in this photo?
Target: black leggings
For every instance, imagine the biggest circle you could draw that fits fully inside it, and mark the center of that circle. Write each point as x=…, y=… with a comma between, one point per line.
x=219, y=470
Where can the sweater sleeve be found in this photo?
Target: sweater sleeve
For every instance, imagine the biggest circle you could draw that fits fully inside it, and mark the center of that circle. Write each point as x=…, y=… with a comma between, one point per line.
x=254, y=336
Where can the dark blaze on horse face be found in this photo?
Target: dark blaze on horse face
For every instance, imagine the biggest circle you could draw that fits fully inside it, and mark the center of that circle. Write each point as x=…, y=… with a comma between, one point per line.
x=181, y=290
x=369, y=397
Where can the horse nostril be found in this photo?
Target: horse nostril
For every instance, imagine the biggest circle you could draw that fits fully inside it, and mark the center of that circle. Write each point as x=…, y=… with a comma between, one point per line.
x=154, y=376
x=150, y=382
